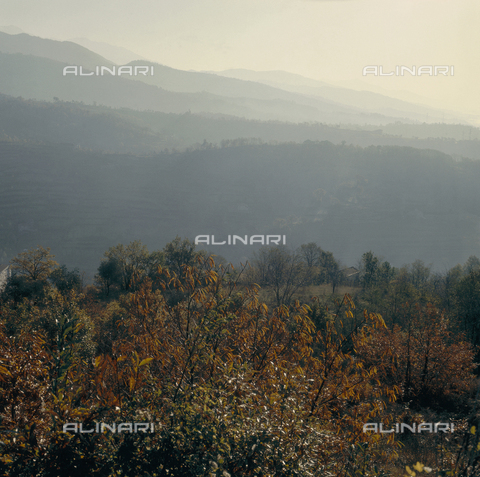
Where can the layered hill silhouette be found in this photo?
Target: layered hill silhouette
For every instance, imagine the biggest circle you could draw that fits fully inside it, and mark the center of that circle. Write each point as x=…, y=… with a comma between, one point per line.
x=32, y=67
x=116, y=54
x=42, y=78
x=63, y=51
x=365, y=100
x=142, y=132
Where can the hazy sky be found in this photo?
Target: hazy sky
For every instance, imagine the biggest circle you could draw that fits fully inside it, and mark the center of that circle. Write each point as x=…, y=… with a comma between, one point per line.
x=330, y=40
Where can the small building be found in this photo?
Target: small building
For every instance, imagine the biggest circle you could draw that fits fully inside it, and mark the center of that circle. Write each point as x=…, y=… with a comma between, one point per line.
x=5, y=273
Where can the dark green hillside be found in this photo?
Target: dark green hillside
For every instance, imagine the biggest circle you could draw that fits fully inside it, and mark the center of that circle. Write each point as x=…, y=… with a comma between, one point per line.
x=73, y=123
x=404, y=203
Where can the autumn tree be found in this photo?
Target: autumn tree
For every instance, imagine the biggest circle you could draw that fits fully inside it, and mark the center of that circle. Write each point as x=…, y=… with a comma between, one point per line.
x=65, y=280
x=444, y=286
x=35, y=264
x=238, y=382
x=369, y=266
x=125, y=264
x=467, y=304
x=431, y=365
x=311, y=254
x=179, y=254
x=472, y=264
x=282, y=270
x=330, y=270
x=419, y=273
x=30, y=272
x=108, y=273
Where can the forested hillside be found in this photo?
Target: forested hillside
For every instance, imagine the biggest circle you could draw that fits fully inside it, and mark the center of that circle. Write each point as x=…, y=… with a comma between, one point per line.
x=404, y=203
x=144, y=132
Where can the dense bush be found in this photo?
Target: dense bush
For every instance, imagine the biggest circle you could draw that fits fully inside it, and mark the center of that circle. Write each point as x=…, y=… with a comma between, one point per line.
x=232, y=386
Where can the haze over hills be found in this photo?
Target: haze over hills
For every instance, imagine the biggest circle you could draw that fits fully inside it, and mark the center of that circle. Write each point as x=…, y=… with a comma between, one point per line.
x=63, y=51
x=402, y=94
x=116, y=54
x=366, y=100
x=346, y=92
x=310, y=91
x=42, y=78
x=252, y=100
x=11, y=29
x=82, y=168
x=403, y=203
x=145, y=132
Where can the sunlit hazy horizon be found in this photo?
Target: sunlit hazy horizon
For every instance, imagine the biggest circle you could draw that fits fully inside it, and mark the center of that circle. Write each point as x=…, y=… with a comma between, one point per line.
x=329, y=41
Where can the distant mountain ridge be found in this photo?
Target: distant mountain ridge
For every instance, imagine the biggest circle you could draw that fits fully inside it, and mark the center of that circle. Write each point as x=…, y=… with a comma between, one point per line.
x=11, y=29
x=64, y=51
x=116, y=54
x=365, y=100
x=42, y=78
x=209, y=93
